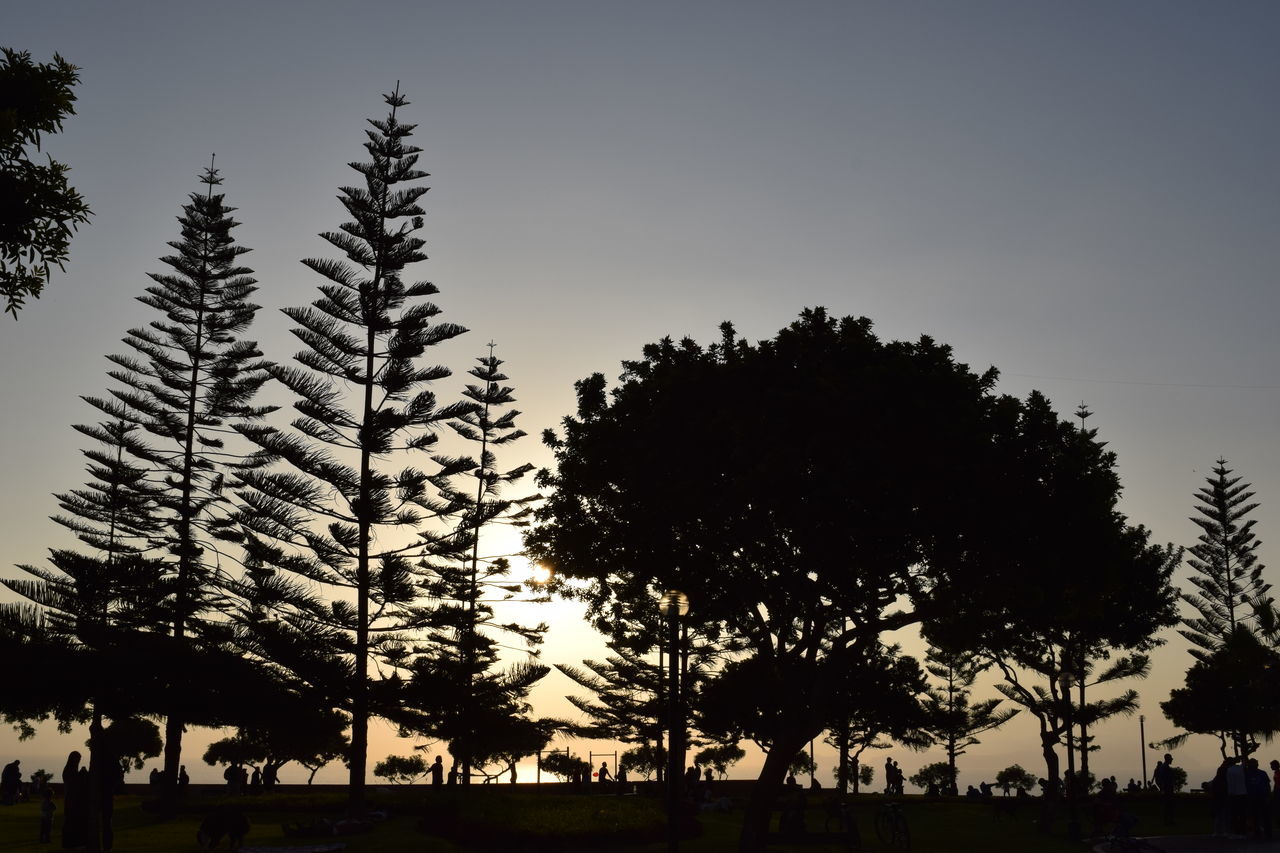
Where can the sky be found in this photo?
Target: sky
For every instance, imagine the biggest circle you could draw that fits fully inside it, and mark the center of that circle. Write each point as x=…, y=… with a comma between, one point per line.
x=1084, y=195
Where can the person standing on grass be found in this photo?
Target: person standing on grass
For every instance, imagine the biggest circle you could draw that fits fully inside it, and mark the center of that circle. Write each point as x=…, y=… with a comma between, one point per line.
x=1258, y=791
x=10, y=783
x=1275, y=791
x=75, y=803
x=1163, y=777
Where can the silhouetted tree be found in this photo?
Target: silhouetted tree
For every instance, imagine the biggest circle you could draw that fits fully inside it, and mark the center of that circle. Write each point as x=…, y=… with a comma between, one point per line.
x=940, y=774
x=88, y=608
x=1015, y=777
x=334, y=515
x=714, y=471
x=1232, y=693
x=627, y=705
x=497, y=724
x=131, y=741
x=192, y=380
x=564, y=765
x=719, y=757
x=1087, y=713
x=1226, y=573
x=278, y=726
x=879, y=702
x=464, y=642
x=38, y=208
x=401, y=769
x=952, y=721
x=496, y=748
x=645, y=759
x=1088, y=586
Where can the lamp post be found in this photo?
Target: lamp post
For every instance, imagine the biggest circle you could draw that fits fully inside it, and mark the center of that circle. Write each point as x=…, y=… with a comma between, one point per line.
x=673, y=605
x=1142, y=737
x=1073, y=820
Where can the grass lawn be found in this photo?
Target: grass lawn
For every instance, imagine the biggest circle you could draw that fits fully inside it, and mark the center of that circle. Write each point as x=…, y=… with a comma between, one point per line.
x=512, y=821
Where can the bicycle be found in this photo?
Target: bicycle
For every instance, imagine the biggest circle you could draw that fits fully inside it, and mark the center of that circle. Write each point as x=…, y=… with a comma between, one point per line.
x=891, y=826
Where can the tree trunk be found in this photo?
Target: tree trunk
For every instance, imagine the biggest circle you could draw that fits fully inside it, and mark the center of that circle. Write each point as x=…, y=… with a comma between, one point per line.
x=842, y=741
x=1049, y=801
x=764, y=793
x=93, y=835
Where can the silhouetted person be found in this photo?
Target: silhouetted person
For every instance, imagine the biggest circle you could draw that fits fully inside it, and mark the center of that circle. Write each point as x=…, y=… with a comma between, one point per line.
x=622, y=779
x=183, y=779
x=10, y=783
x=453, y=773
x=1258, y=786
x=1275, y=791
x=47, y=808
x=691, y=779
x=707, y=777
x=232, y=777
x=153, y=778
x=1163, y=777
x=75, y=803
x=1237, y=796
x=1219, y=802
x=255, y=782
x=603, y=775
x=436, y=772
x=270, y=776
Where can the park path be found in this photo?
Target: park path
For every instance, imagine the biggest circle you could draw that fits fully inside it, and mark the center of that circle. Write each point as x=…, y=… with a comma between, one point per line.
x=1206, y=844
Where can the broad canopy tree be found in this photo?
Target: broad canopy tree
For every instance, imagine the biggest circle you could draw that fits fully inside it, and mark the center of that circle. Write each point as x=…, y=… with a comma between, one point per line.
x=809, y=493
x=39, y=210
x=1232, y=693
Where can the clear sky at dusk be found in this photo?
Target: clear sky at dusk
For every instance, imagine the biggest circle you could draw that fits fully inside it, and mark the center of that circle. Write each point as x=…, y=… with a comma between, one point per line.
x=1085, y=195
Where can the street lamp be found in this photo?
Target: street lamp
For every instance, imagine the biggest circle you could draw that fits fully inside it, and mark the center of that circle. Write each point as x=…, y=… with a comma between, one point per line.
x=1142, y=737
x=1073, y=821
x=673, y=605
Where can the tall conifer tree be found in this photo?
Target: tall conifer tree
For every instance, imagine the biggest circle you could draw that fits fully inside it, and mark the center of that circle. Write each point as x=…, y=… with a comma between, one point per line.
x=1227, y=575
x=953, y=721
x=335, y=512
x=191, y=380
x=460, y=665
x=95, y=600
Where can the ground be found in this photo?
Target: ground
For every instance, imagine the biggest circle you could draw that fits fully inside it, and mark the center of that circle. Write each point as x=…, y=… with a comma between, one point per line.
x=499, y=818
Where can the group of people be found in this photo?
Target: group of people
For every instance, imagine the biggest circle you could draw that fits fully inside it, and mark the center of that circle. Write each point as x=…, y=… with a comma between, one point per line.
x=240, y=781
x=1245, y=799
x=157, y=776
x=893, y=778
x=77, y=792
